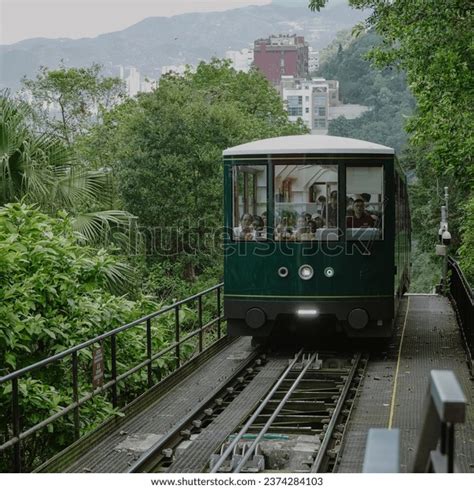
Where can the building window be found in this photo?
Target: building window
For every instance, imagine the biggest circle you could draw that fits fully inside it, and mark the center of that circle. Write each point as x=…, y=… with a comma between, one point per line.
x=319, y=123
x=249, y=199
x=295, y=111
x=322, y=111
x=306, y=110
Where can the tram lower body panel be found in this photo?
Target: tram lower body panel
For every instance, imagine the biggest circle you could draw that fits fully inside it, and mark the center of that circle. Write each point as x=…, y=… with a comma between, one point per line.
x=357, y=317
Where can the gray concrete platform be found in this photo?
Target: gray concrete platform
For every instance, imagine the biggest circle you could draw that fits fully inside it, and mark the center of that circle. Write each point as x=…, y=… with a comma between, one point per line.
x=431, y=340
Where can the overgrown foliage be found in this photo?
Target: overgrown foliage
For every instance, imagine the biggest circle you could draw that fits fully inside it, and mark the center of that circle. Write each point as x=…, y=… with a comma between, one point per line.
x=166, y=150
x=68, y=101
x=54, y=294
x=432, y=42
x=385, y=91
x=41, y=169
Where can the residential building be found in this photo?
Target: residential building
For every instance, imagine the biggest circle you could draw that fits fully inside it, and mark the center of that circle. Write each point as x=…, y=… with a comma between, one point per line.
x=282, y=55
x=313, y=60
x=308, y=100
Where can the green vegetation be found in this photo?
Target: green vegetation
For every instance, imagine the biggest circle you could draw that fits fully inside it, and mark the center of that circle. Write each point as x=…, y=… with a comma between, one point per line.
x=55, y=293
x=106, y=211
x=432, y=44
x=384, y=91
x=80, y=96
x=165, y=149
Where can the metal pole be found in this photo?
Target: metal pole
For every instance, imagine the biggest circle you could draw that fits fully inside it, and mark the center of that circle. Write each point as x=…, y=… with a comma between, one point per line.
x=75, y=396
x=443, y=438
x=148, y=352
x=176, y=323
x=16, y=425
x=113, y=350
x=219, y=312
x=200, y=322
x=445, y=272
x=450, y=446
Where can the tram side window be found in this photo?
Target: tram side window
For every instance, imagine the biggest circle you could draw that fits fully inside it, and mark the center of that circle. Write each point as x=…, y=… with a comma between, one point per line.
x=364, y=201
x=249, y=202
x=306, y=202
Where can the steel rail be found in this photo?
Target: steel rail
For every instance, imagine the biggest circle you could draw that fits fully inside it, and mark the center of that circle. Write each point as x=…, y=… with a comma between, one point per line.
x=254, y=416
x=335, y=415
x=146, y=459
x=276, y=412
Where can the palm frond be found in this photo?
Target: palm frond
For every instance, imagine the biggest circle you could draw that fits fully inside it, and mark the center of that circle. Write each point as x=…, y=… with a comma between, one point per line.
x=96, y=227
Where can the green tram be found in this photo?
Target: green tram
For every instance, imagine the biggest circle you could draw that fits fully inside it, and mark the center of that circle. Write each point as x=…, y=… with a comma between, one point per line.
x=317, y=233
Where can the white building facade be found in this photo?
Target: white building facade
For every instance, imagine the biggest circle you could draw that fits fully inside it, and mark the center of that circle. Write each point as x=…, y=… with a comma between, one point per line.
x=310, y=100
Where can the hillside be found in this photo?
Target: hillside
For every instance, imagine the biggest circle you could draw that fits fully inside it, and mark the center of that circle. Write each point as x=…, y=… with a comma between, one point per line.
x=385, y=91
x=187, y=38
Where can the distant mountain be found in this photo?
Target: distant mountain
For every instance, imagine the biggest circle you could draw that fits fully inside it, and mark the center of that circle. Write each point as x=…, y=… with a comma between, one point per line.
x=187, y=38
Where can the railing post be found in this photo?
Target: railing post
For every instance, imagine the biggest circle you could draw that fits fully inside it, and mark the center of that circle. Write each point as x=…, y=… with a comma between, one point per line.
x=200, y=322
x=75, y=396
x=176, y=325
x=16, y=425
x=219, y=311
x=113, y=353
x=148, y=352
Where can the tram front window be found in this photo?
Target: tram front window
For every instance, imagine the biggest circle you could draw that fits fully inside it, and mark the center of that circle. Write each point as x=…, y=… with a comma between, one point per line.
x=364, y=202
x=249, y=219
x=306, y=202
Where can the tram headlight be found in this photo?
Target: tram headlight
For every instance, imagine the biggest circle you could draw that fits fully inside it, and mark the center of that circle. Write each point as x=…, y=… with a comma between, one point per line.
x=329, y=272
x=306, y=272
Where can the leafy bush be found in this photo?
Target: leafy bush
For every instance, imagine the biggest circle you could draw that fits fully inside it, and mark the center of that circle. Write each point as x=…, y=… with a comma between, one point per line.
x=55, y=294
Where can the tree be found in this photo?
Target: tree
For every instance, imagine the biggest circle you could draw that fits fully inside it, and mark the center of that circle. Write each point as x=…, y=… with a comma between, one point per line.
x=166, y=150
x=55, y=294
x=40, y=169
x=432, y=42
x=70, y=100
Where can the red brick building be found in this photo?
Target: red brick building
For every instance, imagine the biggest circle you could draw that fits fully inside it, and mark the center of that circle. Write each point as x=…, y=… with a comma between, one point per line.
x=281, y=55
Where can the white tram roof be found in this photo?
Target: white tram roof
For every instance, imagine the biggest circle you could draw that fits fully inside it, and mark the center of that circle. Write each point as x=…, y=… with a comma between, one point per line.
x=307, y=144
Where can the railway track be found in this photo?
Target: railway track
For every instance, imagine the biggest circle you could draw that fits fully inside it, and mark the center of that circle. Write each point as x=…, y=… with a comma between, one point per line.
x=282, y=413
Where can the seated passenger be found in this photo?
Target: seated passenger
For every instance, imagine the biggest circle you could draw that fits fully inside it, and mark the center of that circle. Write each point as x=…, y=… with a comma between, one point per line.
x=360, y=218
x=369, y=207
x=258, y=226
x=245, y=230
x=302, y=231
x=318, y=221
x=283, y=231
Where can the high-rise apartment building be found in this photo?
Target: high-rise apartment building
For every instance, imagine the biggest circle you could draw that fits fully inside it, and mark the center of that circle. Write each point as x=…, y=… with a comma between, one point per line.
x=282, y=55
x=310, y=100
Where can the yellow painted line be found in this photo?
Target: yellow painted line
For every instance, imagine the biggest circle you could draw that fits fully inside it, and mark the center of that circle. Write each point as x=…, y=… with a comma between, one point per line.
x=395, y=384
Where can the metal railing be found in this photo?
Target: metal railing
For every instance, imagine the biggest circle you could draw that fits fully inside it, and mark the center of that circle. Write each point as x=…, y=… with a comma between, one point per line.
x=444, y=407
x=17, y=436
x=462, y=298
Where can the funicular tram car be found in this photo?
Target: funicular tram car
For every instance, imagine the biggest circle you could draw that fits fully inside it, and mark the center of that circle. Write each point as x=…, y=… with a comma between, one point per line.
x=317, y=227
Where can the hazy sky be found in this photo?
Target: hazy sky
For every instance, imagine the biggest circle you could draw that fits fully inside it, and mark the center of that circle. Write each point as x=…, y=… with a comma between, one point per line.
x=22, y=19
